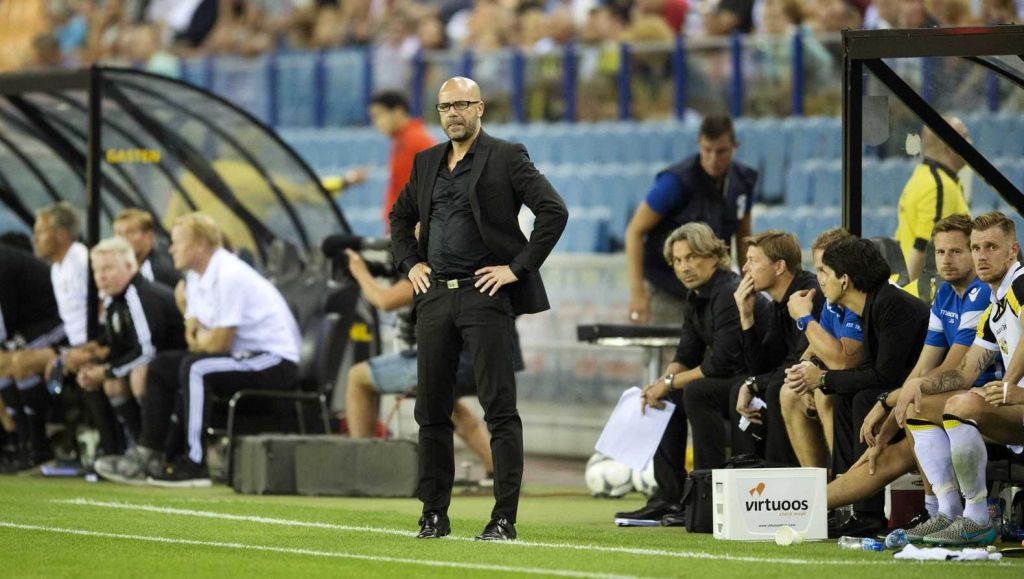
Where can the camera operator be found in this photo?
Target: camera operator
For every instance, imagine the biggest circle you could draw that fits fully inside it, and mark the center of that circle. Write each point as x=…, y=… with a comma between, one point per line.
x=396, y=373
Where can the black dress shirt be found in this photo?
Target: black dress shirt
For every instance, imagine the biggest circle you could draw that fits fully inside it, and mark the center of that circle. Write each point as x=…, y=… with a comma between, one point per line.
x=711, y=331
x=775, y=346
x=456, y=248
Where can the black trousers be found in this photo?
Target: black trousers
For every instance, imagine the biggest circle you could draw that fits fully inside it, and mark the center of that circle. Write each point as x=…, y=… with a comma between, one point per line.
x=769, y=440
x=446, y=321
x=848, y=416
x=670, y=458
x=193, y=376
x=708, y=402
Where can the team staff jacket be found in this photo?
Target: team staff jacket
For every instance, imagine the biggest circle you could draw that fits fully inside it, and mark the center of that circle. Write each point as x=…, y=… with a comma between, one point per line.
x=777, y=345
x=141, y=321
x=895, y=324
x=27, y=305
x=711, y=334
x=685, y=193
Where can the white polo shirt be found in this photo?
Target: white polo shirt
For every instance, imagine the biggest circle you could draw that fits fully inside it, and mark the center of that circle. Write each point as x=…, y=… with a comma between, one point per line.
x=70, y=280
x=231, y=294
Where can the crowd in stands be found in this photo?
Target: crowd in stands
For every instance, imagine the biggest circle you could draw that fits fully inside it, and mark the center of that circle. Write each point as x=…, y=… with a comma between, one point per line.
x=156, y=33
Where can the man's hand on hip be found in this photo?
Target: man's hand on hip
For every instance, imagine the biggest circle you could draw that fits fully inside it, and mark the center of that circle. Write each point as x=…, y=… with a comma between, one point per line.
x=419, y=275
x=493, y=277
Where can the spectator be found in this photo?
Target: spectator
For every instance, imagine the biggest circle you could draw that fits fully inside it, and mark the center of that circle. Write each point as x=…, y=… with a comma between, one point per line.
x=708, y=187
x=730, y=16
x=914, y=14
x=932, y=193
x=708, y=357
x=882, y=14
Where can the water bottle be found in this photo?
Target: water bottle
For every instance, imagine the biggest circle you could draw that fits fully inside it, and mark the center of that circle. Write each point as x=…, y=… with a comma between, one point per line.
x=850, y=543
x=896, y=539
x=995, y=514
x=860, y=544
x=55, y=382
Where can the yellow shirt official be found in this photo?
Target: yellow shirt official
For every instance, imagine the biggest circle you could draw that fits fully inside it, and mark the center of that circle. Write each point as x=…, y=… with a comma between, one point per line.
x=931, y=194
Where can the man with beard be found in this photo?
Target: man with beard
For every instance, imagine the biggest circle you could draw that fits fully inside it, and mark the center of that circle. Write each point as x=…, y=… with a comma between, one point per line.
x=472, y=271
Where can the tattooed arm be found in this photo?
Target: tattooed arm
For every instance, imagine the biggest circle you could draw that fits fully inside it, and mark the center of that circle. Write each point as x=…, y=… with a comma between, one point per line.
x=971, y=366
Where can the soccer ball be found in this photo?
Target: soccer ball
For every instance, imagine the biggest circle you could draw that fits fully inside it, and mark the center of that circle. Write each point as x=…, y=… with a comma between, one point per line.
x=643, y=480
x=607, y=478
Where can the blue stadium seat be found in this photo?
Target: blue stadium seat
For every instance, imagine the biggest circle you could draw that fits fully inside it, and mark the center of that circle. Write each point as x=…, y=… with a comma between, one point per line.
x=295, y=90
x=345, y=86
x=586, y=232
x=244, y=81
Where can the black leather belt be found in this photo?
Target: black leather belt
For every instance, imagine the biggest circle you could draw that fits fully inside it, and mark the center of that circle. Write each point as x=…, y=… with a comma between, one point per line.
x=454, y=283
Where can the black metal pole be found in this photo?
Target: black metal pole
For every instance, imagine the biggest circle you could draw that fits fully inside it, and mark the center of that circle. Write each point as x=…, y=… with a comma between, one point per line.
x=93, y=177
x=853, y=112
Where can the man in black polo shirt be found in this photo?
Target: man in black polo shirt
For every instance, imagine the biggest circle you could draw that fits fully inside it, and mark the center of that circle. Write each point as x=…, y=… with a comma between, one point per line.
x=895, y=323
x=709, y=356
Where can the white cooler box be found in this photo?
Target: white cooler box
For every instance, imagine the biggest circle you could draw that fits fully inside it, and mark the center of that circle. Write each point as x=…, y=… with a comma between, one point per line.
x=752, y=504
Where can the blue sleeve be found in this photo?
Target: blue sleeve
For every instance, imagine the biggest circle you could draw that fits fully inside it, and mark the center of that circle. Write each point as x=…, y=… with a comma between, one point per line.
x=828, y=320
x=970, y=316
x=936, y=326
x=666, y=195
x=851, y=327
x=938, y=339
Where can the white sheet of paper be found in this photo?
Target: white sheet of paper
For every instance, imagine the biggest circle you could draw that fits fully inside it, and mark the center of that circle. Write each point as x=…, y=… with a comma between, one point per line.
x=631, y=437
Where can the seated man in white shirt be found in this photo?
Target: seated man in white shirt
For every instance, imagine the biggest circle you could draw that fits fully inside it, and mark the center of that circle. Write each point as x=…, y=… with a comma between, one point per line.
x=240, y=334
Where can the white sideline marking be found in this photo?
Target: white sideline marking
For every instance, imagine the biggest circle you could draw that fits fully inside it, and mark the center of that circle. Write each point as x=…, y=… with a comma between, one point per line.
x=313, y=552
x=406, y=533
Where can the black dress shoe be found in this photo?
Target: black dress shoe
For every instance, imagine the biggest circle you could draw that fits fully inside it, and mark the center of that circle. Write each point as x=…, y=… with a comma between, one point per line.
x=652, y=511
x=434, y=526
x=500, y=529
x=859, y=525
x=677, y=519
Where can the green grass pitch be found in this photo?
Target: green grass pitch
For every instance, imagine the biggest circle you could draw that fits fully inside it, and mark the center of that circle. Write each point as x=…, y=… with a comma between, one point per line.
x=72, y=528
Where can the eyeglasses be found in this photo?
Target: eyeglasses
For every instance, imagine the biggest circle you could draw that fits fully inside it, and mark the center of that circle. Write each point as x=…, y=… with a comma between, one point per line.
x=459, y=106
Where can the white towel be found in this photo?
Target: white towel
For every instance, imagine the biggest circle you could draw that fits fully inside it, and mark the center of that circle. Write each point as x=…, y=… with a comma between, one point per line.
x=911, y=552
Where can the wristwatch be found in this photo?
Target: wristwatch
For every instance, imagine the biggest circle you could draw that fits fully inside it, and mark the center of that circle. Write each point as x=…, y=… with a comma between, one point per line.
x=802, y=321
x=881, y=400
x=821, y=383
x=752, y=386
x=668, y=380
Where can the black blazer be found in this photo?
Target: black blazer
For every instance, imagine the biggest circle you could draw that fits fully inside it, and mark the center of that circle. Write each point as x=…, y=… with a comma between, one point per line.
x=895, y=324
x=501, y=181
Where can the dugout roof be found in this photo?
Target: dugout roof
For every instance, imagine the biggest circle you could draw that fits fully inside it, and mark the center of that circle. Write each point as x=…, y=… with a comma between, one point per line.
x=108, y=138
x=896, y=81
